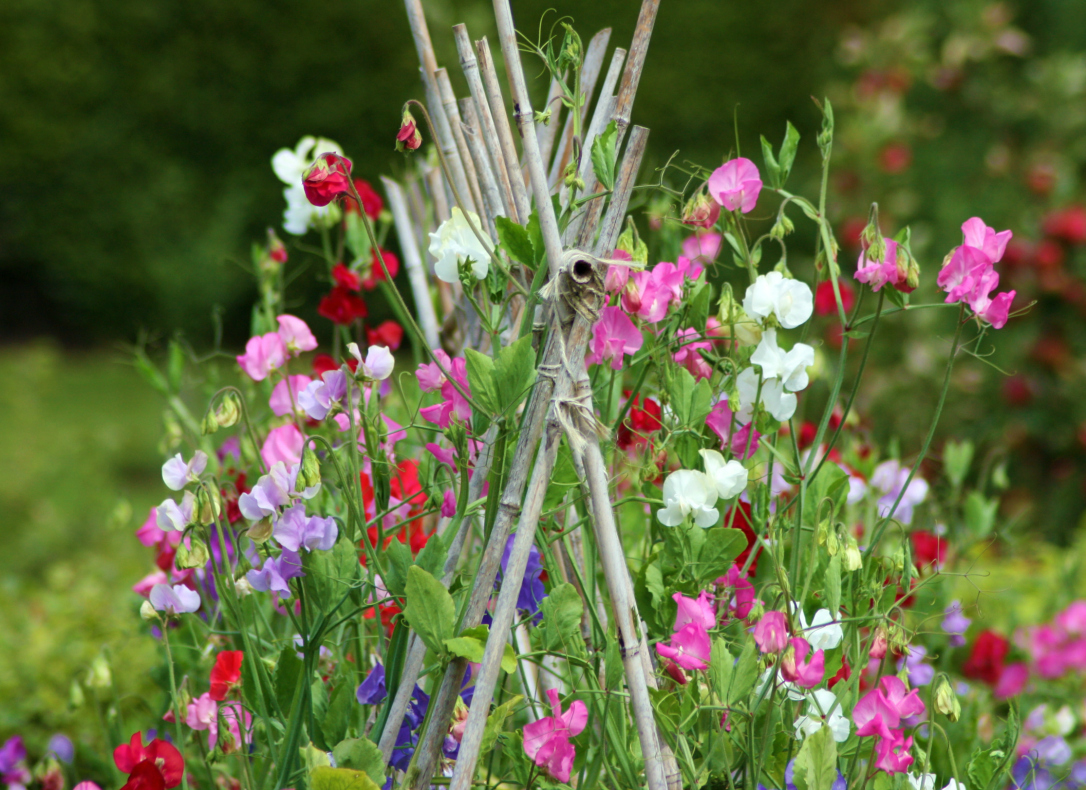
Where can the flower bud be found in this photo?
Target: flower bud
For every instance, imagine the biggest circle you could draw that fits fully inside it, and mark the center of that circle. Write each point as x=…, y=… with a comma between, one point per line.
x=195, y=555
x=909, y=270
x=75, y=696
x=229, y=410
x=260, y=531
x=408, y=138
x=701, y=211
x=310, y=473
x=879, y=643
x=946, y=701
x=242, y=587
x=276, y=250
x=571, y=177
x=210, y=424
x=327, y=178
x=899, y=640
x=148, y=613
x=853, y=558
x=782, y=227
x=208, y=506
x=99, y=675
x=827, y=536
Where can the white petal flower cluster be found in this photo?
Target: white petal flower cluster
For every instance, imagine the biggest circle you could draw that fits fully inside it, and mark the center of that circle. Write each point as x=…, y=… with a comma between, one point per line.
x=455, y=242
x=824, y=631
x=783, y=374
x=823, y=708
x=688, y=492
x=773, y=294
x=289, y=166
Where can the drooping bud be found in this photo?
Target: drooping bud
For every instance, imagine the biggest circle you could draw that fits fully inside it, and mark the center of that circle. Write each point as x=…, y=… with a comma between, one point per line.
x=572, y=178
x=277, y=251
x=76, y=697
x=782, y=227
x=242, y=587
x=879, y=643
x=701, y=211
x=899, y=640
x=630, y=242
x=310, y=473
x=210, y=424
x=208, y=506
x=260, y=531
x=827, y=536
x=195, y=555
x=327, y=178
x=99, y=675
x=853, y=559
x=148, y=612
x=946, y=701
x=229, y=411
x=734, y=321
x=408, y=138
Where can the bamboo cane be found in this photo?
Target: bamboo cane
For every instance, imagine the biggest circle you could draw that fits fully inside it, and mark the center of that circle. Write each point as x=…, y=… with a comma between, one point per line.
x=416, y=273
x=505, y=133
x=491, y=196
x=448, y=101
x=545, y=131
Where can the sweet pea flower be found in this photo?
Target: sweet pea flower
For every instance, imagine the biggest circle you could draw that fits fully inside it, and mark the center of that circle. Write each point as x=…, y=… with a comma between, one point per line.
x=979, y=236
x=532, y=591
x=61, y=747
x=773, y=294
x=295, y=334
x=822, y=708
x=13, y=770
x=968, y=275
x=226, y=674
x=771, y=632
x=955, y=623
x=203, y=713
x=176, y=474
x=688, y=355
x=796, y=669
x=239, y=725
x=321, y=396
x=263, y=354
x=1073, y=618
x=701, y=211
x=175, y=600
x=283, y=445
x=372, y=690
x=880, y=273
x=455, y=243
x=736, y=184
x=157, y=764
x=614, y=336
x=276, y=572
x=289, y=167
x=284, y=398
x=378, y=364
x=702, y=247
x=448, y=504
x=644, y=297
x=689, y=647
x=327, y=178
x=789, y=367
x=920, y=674
x=173, y=516
x=294, y=529
x=273, y=491
x=742, y=600
x=906, y=703
x=889, y=477
x=546, y=742
x=824, y=632
x=893, y=753
x=780, y=403
x=1012, y=681
x=730, y=478
x=699, y=611
x=922, y=782
x=689, y=493
x=740, y=442
x=431, y=375
x=454, y=404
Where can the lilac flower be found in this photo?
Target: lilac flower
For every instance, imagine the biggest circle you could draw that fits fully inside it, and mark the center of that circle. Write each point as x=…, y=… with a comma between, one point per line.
x=272, y=491
x=920, y=674
x=531, y=588
x=176, y=473
x=294, y=529
x=372, y=691
x=276, y=572
x=955, y=623
x=376, y=365
x=172, y=516
x=230, y=448
x=407, y=738
x=789, y=778
x=1051, y=750
x=318, y=398
x=1028, y=775
x=890, y=477
x=61, y=747
x=178, y=599
x=13, y=771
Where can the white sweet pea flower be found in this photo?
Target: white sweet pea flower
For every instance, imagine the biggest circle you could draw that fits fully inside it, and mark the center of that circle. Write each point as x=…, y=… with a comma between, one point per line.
x=176, y=474
x=730, y=478
x=689, y=493
x=173, y=516
x=790, y=367
x=791, y=301
x=289, y=166
x=454, y=242
x=822, y=708
x=954, y=784
x=378, y=363
x=922, y=782
x=824, y=632
x=778, y=402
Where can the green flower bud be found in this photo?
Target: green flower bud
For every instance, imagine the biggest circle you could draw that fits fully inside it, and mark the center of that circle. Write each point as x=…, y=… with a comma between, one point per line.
x=208, y=505
x=193, y=556
x=260, y=531
x=946, y=701
x=310, y=474
x=148, y=613
x=229, y=410
x=99, y=675
x=853, y=558
x=210, y=424
x=782, y=227
x=75, y=696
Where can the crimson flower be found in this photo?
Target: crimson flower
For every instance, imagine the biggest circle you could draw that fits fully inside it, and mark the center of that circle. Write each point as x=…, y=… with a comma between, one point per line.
x=372, y=203
x=985, y=662
x=226, y=674
x=408, y=138
x=156, y=766
x=928, y=549
x=377, y=272
x=327, y=178
x=345, y=278
x=825, y=303
x=643, y=419
x=322, y=363
x=342, y=307
x=387, y=333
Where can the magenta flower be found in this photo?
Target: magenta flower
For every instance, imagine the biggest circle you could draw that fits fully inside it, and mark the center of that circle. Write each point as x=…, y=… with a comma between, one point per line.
x=546, y=741
x=617, y=275
x=1073, y=618
x=284, y=398
x=284, y=444
x=263, y=354
x=669, y=279
x=699, y=611
x=614, y=336
x=441, y=414
x=771, y=632
x=906, y=703
x=689, y=647
x=969, y=275
x=448, y=504
x=643, y=297
x=881, y=710
x=431, y=375
x=702, y=247
x=795, y=667
x=878, y=274
x=295, y=529
x=1012, y=681
x=720, y=422
x=688, y=355
x=979, y=236
x=960, y=275
x=144, y=586
x=13, y=770
x=736, y=184
x=893, y=753
x=178, y=599
x=295, y=334
x=742, y=599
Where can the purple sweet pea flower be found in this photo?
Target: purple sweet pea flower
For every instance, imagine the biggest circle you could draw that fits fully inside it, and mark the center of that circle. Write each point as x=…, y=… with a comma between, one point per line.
x=13, y=771
x=295, y=529
x=920, y=674
x=273, y=491
x=1028, y=775
x=955, y=623
x=176, y=474
x=889, y=477
x=789, y=778
x=407, y=738
x=275, y=574
x=178, y=599
x=372, y=691
x=319, y=397
x=531, y=589
x=61, y=747
x=1051, y=750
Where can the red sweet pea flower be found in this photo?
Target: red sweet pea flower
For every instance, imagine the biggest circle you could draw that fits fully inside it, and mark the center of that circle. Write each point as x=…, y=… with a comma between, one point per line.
x=345, y=278
x=327, y=178
x=986, y=661
x=226, y=674
x=156, y=766
x=387, y=333
x=322, y=363
x=643, y=418
x=928, y=550
x=342, y=307
x=408, y=138
x=377, y=272
x=371, y=201
x=742, y=521
x=825, y=303
x=1068, y=224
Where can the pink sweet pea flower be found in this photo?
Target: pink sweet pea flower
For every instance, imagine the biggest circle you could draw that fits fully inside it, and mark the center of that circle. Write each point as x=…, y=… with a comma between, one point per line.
x=994, y=311
x=736, y=184
x=295, y=334
x=617, y=275
x=614, y=336
x=793, y=667
x=263, y=354
x=448, y=504
x=959, y=276
x=771, y=632
x=643, y=297
x=893, y=753
x=235, y=716
x=144, y=586
x=442, y=454
x=431, y=375
x=546, y=741
x=720, y=422
x=702, y=247
x=327, y=178
x=203, y=713
x=874, y=715
x=175, y=600
x=979, y=236
x=1073, y=618
x=284, y=400
x=699, y=611
x=906, y=703
x=441, y=414
x=689, y=647
x=691, y=269
x=668, y=278
x=1012, y=681
x=742, y=599
x=688, y=355
x=285, y=444
x=878, y=274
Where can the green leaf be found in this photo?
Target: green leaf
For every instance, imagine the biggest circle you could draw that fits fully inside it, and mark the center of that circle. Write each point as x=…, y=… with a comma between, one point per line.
x=535, y=236
x=982, y=767
x=681, y=393
x=721, y=547
x=361, y=754
x=745, y=674
x=288, y=673
x=562, y=612
x=472, y=644
x=398, y=558
x=721, y=666
x=833, y=585
x=495, y=721
x=481, y=379
x=325, y=778
x=699, y=305
x=898, y=298
x=433, y=556
x=788, y=151
x=980, y=513
x=340, y=706
x=604, y=154
x=516, y=240
x=773, y=169
x=816, y=763
x=956, y=459
x=830, y=484
x=513, y=374
x=430, y=609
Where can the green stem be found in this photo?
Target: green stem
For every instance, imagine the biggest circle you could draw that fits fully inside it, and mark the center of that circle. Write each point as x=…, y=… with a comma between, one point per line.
x=178, y=716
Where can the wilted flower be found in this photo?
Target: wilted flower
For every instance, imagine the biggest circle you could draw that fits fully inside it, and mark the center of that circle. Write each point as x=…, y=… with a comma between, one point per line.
x=327, y=178
x=408, y=138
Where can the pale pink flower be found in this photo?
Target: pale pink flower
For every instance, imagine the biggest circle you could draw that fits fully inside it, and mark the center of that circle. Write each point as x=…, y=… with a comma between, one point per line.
x=150, y=581
x=702, y=247
x=546, y=741
x=284, y=400
x=263, y=354
x=736, y=184
x=617, y=275
x=1073, y=618
x=442, y=413
x=878, y=274
x=295, y=334
x=771, y=632
x=614, y=336
x=285, y=444
x=203, y=713
x=1012, y=681
x=644, y=297
x=688, y=355
x=431, y=375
